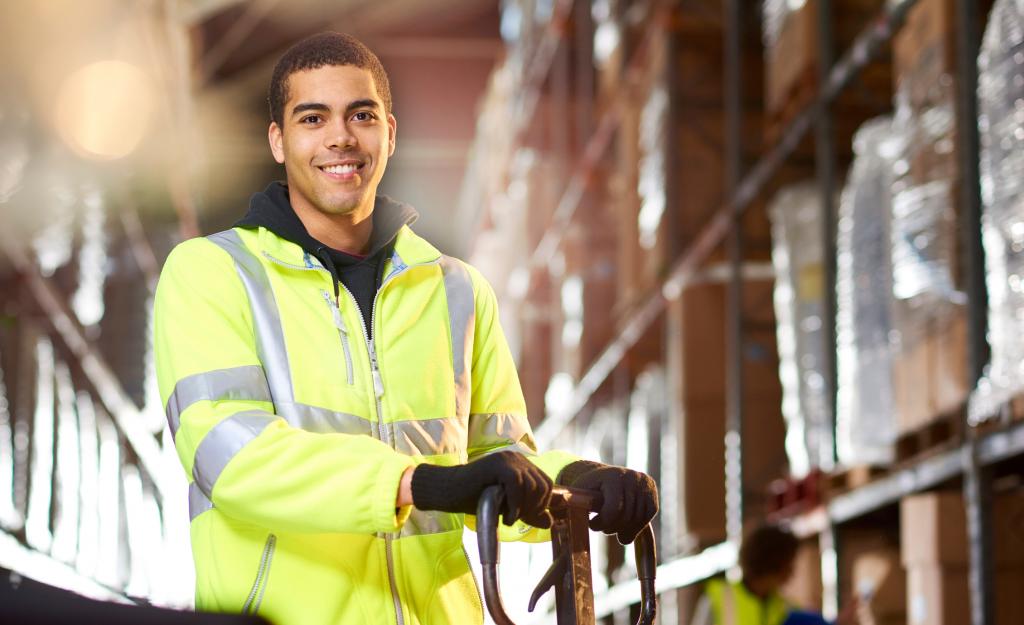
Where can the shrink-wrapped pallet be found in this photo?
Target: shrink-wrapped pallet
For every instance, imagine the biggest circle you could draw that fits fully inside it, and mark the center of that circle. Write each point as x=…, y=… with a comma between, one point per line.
x=798, y=256
x=865, y=428
x=1001, y=126
x=929, y=317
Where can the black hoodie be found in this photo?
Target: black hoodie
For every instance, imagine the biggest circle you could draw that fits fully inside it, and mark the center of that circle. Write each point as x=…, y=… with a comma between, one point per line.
x=361, y=276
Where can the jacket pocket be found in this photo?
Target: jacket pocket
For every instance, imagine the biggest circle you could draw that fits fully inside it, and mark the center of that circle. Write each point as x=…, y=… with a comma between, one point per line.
x=339, y=323
x=259, y=586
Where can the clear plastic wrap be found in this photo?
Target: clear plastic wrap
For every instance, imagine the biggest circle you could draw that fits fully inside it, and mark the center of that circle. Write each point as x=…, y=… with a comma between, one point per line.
x=865, y=427
x=797, y=255
x=1001, y=125
x=924, y=229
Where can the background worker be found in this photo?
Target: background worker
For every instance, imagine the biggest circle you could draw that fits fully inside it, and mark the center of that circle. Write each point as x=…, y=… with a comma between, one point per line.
x=339, y=391
x=767, y=558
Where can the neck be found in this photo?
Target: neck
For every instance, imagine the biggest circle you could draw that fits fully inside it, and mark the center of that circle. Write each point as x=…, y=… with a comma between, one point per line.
x=349, y=232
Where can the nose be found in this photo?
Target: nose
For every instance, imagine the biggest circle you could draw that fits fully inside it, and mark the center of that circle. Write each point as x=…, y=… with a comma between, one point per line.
x=340, y=136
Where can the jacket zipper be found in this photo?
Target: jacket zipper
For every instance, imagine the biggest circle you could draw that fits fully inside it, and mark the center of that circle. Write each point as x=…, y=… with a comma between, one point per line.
x=262, y=574
x=378, y=391
x=343, y=333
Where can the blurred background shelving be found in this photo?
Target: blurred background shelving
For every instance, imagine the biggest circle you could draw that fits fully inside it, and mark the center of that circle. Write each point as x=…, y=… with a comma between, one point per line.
x=769, y=252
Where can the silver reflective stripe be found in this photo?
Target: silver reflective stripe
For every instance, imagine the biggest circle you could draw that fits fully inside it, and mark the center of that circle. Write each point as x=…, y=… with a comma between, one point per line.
x=247, y=383
x=322, y=420
x=458, y=288
x=423, y=522
x=430, y=437
x=492, y=431
x=223, y=442
x=266, y=319
x=198, y=503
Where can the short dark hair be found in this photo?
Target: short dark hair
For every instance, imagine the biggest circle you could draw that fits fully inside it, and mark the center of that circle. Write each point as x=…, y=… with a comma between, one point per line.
x=318, y=51
x=767, y=549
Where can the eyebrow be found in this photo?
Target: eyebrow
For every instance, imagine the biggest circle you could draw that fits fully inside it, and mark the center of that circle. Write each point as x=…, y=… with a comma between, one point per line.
x=320, y=106
x=309, y=106
x=360, y=104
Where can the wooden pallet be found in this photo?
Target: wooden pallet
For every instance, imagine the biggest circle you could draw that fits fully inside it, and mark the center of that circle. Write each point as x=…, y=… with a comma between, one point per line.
x=1010, y=413
x=854, y=477
x=937, y=435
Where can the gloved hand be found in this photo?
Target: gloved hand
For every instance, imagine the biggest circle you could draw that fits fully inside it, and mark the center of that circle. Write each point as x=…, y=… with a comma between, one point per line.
x=527, y=489
x=630, y=497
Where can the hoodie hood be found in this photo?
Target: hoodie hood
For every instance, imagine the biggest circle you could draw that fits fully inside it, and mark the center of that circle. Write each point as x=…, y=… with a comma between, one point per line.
x=271, y=209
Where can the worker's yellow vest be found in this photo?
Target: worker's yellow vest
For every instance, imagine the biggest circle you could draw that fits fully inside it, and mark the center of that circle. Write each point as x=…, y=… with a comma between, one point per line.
x=733, y=604
x=294, y=428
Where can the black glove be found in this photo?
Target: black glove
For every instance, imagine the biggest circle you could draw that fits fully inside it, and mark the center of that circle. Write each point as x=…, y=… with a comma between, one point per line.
x=630, y=497
x=527, y=490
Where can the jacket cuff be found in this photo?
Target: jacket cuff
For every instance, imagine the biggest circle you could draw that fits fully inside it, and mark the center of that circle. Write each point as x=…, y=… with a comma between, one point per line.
x=386, y=516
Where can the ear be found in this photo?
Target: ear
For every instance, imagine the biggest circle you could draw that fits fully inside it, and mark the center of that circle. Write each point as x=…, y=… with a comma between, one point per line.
x=276, y=137
x=392, y=132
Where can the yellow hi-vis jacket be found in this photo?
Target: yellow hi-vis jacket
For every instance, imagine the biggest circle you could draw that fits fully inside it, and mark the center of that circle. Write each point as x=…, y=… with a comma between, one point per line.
x=733, y=604
x=295, y=428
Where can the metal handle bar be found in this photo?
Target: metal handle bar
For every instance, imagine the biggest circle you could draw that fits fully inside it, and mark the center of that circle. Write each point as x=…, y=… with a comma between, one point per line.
x=487, y=541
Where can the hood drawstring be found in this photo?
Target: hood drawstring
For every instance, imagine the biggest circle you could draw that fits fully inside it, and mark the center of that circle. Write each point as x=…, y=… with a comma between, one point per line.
x=325, y=259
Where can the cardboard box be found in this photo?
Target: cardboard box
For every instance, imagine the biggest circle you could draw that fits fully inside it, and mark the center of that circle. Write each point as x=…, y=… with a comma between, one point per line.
x=937, y=595
x=924, y=50
x=930, y=368
x=1009, y=596
x=933, y=530
x=878, y=576
x=1008, y=534
x=804, y=588
x=696, y=355
x=793, y=58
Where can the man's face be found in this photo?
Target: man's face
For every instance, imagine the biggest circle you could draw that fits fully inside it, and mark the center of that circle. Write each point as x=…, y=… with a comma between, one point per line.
x=335, y=140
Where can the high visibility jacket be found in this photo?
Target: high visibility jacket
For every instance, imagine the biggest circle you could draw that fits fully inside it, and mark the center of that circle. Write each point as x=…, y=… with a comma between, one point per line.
x=295, y=428
x=733, y=604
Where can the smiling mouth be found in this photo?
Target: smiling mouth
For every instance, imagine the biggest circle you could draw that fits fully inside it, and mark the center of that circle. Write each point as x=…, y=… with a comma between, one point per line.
x=342, y=170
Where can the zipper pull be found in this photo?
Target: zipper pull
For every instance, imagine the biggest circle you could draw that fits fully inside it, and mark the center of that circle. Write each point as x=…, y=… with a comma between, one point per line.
x=378, y=382
x=335, y=312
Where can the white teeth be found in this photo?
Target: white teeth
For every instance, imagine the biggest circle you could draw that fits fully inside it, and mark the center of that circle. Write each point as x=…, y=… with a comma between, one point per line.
x=340, y=169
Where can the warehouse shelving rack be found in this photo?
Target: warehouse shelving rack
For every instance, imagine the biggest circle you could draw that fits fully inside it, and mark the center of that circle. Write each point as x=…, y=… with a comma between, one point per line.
x=973, y=463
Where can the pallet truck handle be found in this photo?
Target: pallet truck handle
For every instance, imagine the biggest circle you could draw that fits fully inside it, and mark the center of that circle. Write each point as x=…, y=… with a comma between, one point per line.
x=487, y=541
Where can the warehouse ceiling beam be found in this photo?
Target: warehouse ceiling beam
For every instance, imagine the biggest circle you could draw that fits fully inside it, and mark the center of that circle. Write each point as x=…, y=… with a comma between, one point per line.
x=214, y=58
x=865, y=48
x=108, y=390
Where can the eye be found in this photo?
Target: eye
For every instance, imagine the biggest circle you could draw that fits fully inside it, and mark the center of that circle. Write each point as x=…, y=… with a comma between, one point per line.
x=364, y=116
x=311, y=119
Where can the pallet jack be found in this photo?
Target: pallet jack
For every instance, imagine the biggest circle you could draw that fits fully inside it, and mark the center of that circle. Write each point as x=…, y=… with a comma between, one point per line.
x=569, y=573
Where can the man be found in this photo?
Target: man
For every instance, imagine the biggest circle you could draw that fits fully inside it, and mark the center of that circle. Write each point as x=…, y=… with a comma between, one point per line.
x=340, y=392
x=767, y=558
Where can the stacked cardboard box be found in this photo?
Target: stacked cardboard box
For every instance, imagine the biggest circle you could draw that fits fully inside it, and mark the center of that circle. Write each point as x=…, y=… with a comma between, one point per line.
x=696, y=351
x=875, y=576
x=930, y=375
x=792, y=59
x=934, y=549
x=804, y=588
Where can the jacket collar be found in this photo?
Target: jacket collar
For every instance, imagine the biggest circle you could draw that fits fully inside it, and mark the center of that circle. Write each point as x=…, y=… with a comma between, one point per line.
x=283, y=236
